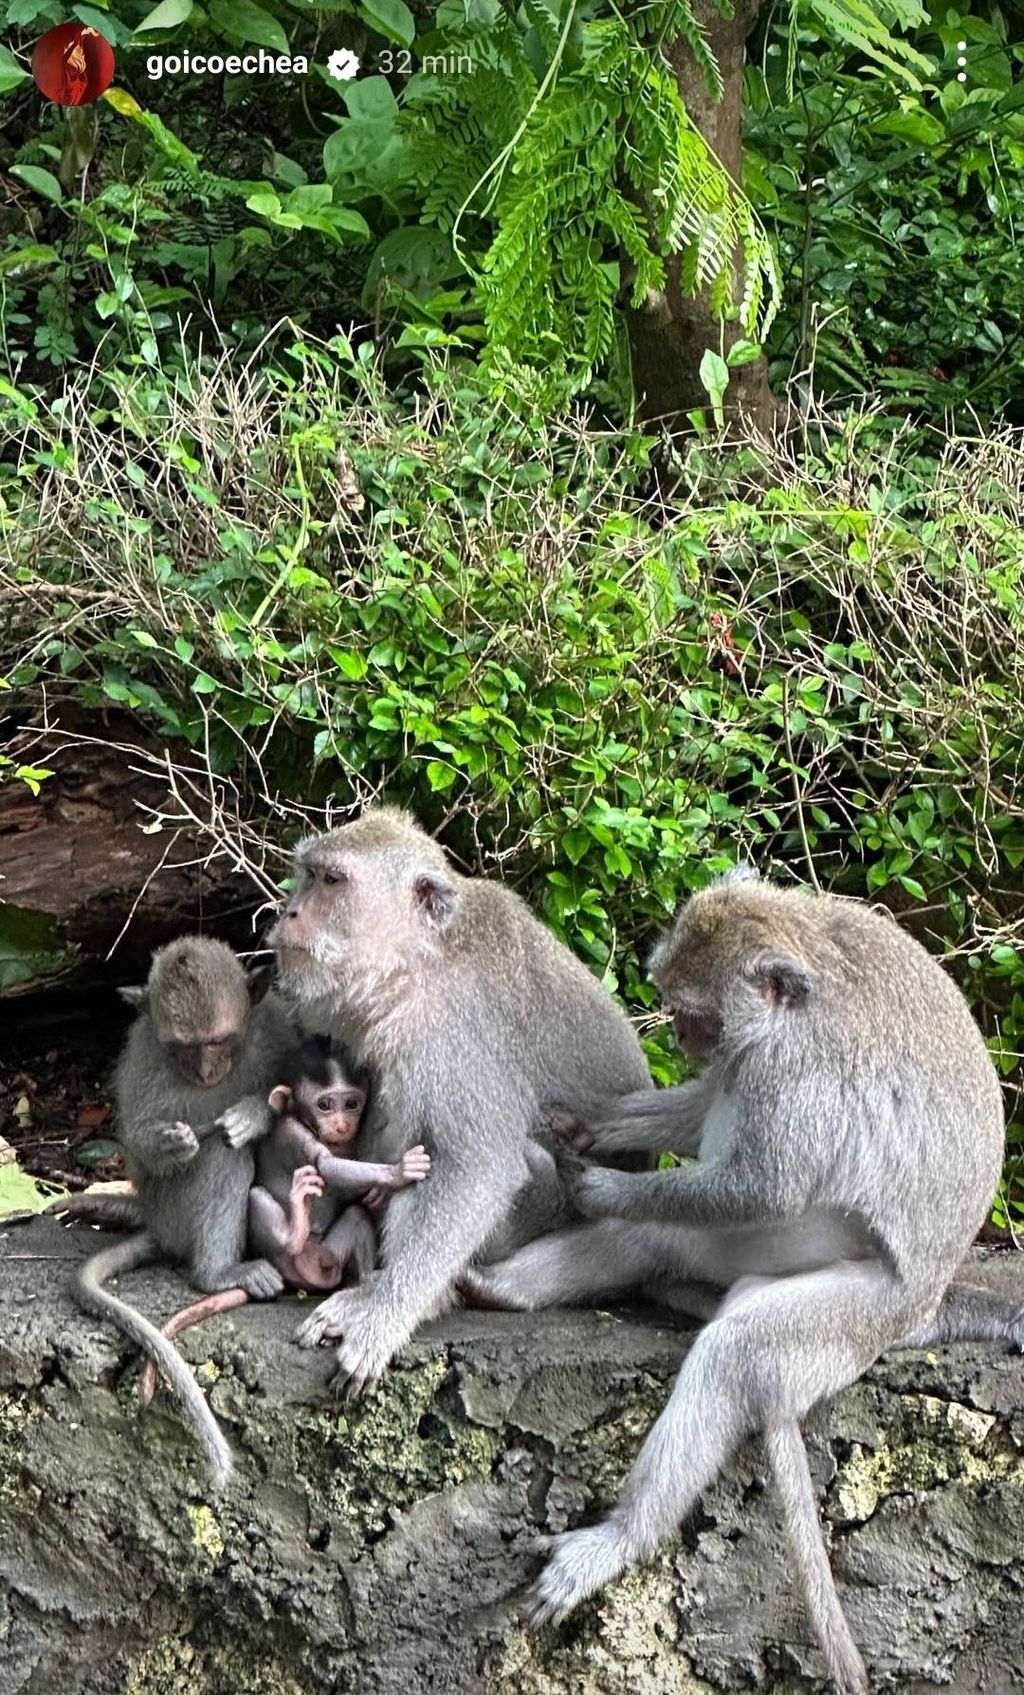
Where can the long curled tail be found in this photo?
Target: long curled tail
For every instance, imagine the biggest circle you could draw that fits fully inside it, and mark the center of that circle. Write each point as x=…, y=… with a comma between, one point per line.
x=788, y=1458
x=125, y=1256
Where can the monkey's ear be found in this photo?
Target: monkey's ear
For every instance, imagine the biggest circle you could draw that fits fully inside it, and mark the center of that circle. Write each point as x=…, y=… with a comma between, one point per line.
x=744, y=872
x=782, y=979
x=435, y=897
x=258, y=980
x=135, y=996
x=279, y=1098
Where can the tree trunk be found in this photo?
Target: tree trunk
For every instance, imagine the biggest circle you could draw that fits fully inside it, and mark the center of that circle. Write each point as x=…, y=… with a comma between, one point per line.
x=669, y=339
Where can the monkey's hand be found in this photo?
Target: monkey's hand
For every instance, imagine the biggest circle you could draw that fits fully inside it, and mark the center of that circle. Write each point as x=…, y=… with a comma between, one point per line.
x=365, y=1353
x=594, y=1190
x=176, y=1145
x=412, y=1167
x=245, y=1122
x=571, y=1132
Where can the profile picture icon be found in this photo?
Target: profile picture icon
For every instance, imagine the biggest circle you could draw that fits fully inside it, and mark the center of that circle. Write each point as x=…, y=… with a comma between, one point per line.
x=73, y=64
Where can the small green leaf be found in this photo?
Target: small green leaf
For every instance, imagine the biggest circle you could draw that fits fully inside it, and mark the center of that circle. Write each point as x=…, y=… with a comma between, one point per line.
x=94, y=1153
x=440, y=776
x=44, y=182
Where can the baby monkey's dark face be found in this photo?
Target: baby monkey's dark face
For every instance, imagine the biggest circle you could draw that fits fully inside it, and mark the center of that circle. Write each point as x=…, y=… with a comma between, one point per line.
x=333, y=1110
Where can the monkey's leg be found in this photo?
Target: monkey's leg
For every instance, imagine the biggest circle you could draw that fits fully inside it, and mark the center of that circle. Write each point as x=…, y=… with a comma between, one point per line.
x=270, y=1224
x=969, y=1312
x=352, y=1239
x=776, y=1350
x=183, y=1319
x=540, y=1206
x=603, y=1258
x=113, y=1212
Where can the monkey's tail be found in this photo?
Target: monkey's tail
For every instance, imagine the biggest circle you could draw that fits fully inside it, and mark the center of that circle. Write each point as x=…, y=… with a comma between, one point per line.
x=125, y=1256
x=788, y=1459
x=224, y=1300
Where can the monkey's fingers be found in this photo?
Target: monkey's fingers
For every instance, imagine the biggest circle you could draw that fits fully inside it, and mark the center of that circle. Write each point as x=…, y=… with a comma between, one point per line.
x=571, y=1131
x=324, y=1323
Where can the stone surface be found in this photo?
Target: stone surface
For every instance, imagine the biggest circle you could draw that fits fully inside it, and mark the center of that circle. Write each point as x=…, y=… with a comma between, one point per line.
x=381, y=1548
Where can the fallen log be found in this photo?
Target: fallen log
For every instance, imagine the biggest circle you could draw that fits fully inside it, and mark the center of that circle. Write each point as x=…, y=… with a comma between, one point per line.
x=97, y=867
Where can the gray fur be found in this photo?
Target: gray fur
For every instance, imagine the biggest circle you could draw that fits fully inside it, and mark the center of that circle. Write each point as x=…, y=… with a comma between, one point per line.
x=474, y=1022
x=191, y=1189
x=848, y=1124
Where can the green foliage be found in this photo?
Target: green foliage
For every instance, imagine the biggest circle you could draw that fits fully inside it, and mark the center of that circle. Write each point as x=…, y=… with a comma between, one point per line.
x=896, y=215
x=329, y=593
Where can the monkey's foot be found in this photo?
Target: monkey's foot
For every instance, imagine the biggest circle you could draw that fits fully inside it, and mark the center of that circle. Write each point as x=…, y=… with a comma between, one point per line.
x=479, y=1287
x=260, y=1280
x=582, y=1563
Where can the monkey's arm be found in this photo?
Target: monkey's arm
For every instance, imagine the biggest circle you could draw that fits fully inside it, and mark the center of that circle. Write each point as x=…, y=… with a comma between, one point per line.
x=349, y=1176
x=664, y=1120
x=719, y=1193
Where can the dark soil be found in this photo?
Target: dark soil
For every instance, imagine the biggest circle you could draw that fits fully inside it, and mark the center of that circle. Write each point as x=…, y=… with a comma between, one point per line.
x=57, y=1055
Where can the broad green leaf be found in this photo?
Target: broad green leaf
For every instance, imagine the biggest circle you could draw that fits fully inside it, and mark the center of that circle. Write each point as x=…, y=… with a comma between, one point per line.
x=242, y=20
x=44, y=182
x=391, y=18
x=29, y=949
x=11, y=73
x=34, y=255
x=168, y=15
x=21, y=1193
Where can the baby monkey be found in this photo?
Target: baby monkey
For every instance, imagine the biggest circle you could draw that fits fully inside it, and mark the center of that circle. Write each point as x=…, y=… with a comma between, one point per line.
x=303, y=1216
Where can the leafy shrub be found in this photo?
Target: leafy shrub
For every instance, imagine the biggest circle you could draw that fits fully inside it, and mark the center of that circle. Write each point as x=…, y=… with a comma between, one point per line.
x=327, y=591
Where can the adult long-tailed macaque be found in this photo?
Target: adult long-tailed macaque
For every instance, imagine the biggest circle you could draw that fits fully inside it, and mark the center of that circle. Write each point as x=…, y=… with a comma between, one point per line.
x=474, y=1022
x=848, y=1127
x=302, y=1211
x=202, y=1054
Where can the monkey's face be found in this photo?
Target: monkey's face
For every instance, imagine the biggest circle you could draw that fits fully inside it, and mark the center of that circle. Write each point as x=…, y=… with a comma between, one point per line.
x=332, y=1110
x=205, y=1062
x=355, y=910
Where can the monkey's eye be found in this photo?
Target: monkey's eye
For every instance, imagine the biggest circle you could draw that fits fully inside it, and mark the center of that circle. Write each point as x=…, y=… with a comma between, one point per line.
x=351, y=1103
x=333, y=877
x=325, y=1103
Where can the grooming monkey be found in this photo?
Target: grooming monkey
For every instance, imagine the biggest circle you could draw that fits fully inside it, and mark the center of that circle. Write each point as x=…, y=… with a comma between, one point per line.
x=301, y=1215
x=848, y=1127
x=202, y=1054
x=474, y=1022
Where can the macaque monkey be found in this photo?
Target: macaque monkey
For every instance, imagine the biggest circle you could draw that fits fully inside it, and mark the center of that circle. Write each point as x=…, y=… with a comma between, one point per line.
x=847, y=1128
x=476, y=1022
x=203, y=1053
x=300, y=1212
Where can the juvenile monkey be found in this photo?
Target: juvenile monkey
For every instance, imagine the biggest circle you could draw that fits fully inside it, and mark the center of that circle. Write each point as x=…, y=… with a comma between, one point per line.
x=202, y=1052
x=847, y=1123
x=477, y=1022
x=300, y=1212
